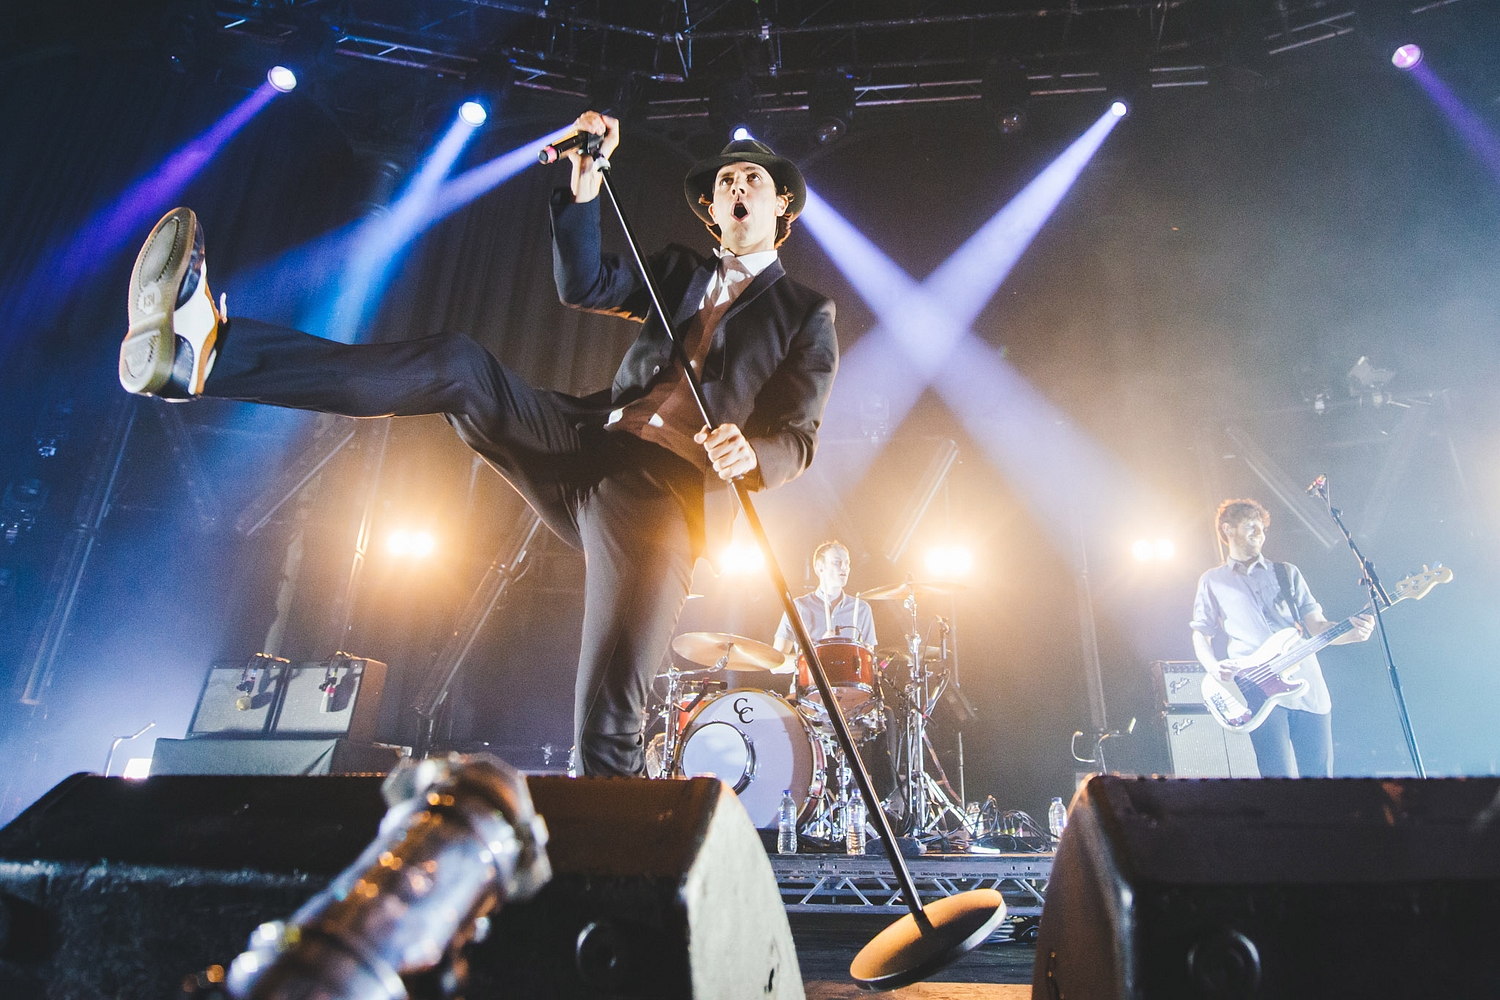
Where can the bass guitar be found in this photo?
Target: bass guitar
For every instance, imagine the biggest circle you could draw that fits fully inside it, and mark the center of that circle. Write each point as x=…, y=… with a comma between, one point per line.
x=1264, y=679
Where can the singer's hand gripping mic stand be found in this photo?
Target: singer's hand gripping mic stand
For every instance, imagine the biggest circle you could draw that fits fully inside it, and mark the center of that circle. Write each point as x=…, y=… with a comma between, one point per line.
x=930, y=937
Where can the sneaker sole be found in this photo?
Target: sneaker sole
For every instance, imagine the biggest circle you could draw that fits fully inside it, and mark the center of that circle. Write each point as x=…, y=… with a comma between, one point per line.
x=149, y=347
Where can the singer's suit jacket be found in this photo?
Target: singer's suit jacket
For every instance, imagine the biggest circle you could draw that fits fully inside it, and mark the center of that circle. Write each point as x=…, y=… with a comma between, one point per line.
x=771, y=361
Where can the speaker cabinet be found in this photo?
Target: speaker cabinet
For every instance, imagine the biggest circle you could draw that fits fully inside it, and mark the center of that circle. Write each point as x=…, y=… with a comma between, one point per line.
x=115, y=888
x=271, y=756
x=1315, y=887
x=1201, y=748
x=266, y=696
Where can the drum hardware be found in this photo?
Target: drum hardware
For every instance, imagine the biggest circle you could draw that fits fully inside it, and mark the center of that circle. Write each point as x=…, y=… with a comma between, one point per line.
x=928, y=804
x=673, y=711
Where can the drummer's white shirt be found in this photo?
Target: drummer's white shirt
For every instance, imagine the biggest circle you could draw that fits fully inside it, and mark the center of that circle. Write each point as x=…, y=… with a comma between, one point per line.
x=850, y=619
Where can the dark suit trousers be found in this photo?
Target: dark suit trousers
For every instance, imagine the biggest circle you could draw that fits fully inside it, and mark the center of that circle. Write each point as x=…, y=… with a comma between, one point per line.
x=623, y=501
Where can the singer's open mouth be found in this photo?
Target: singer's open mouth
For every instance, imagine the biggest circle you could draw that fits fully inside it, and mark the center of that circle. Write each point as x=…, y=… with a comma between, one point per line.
x=740, y=211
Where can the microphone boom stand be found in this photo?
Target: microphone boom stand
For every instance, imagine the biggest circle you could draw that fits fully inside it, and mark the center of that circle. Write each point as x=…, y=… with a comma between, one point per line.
x=929, y=937
x=1379, y=600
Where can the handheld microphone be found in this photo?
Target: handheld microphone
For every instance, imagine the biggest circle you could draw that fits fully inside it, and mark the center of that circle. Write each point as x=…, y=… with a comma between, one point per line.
x=1317, y=486
x=587, y=142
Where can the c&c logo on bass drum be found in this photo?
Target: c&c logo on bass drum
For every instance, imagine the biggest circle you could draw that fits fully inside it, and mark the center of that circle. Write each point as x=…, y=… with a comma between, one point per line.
x=744, y=709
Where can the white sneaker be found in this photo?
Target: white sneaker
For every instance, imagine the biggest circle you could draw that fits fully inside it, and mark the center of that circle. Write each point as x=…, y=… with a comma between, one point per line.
x=174, y=327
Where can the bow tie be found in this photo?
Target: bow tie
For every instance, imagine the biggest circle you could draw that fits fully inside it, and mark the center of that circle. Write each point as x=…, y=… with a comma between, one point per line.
x=731, y=268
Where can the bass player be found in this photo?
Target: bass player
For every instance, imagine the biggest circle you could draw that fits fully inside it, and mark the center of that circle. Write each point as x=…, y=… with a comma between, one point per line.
x=1247, y=600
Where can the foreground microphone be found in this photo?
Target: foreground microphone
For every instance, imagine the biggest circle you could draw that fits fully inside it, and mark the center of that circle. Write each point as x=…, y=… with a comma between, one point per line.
x=1317, y=486
x=461, y=839
x=588, y=142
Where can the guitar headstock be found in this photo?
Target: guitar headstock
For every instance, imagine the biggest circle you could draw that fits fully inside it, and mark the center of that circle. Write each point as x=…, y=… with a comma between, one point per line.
x=1417, y=585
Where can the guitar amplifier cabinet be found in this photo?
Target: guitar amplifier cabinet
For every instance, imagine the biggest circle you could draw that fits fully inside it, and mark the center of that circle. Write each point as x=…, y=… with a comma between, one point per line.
x=239, y=697
x=265, y=696
x=1201, y=748
x=1179, y=684
x=1197, y=745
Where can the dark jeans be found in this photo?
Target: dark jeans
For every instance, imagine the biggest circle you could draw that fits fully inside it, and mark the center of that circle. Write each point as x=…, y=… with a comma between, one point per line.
x=1292, y=743
x=628, y=504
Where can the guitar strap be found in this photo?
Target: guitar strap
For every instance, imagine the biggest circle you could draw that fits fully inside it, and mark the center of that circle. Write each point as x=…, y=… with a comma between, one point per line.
x=1284, y=580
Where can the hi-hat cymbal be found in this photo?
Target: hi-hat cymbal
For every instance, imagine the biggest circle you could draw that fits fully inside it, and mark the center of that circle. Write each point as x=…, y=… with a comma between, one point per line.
x=708, y=648
x=912, y=588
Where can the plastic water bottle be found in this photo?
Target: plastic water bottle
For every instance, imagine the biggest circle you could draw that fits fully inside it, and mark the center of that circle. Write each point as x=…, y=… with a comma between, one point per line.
x=854, y=840
x=786, y=825
x=1057, y=818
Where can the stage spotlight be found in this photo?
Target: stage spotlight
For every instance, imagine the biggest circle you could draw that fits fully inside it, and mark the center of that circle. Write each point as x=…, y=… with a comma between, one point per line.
x=411, y=544
x=1119, y=109
x=741, y=559
x=947, y=562
x=1160, y=550
x=1407, y=56
x=473, y=113
x=741, y=133
x=830, y=104
x=282, y=79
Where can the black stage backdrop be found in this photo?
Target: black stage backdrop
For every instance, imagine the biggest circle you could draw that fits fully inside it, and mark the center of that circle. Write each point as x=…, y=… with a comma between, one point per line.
x=1224, y=259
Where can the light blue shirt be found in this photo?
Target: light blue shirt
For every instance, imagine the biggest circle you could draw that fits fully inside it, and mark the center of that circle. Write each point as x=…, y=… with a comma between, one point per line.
x=825, y=622
x=1242, y=603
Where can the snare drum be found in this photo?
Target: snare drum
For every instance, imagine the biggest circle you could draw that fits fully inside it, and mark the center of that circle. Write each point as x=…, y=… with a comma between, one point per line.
x=759, y=745
x=850, y=667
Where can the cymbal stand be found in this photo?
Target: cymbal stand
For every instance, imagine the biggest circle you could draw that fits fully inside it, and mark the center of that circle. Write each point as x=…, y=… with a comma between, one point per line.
x=927, y=802
x=673, y=712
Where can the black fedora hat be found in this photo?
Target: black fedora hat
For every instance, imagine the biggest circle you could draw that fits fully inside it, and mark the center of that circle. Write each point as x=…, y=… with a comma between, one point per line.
x=699, y=183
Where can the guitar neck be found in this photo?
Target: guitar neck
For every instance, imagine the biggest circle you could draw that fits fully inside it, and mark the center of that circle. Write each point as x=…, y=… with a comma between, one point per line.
x=1307, y=647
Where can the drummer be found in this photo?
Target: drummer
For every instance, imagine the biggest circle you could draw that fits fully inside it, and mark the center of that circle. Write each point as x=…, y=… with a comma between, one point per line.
x=828, y=612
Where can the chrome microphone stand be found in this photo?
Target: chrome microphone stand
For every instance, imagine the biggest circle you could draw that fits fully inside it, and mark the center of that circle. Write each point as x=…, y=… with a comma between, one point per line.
x=928, y=938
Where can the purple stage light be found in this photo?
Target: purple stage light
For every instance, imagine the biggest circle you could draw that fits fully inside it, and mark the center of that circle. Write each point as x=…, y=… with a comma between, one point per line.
x=1407, y=56
x=968, y=279
x=923, y=327
x=379, y=241
x=487, y=176
x=125, y=222
x=1119, y=109
x=1473, y=129
x=282, y=79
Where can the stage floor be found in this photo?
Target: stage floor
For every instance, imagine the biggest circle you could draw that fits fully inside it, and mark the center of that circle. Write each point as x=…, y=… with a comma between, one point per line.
x=922, y=991
x=827, y=943
x=836, y=903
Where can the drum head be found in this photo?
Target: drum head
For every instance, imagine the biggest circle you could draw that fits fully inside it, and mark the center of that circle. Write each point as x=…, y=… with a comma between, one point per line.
x=718, y=750
x=757, y=738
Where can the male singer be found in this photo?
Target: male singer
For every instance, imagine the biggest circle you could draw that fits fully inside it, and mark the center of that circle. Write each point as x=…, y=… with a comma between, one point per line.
x=629, y=475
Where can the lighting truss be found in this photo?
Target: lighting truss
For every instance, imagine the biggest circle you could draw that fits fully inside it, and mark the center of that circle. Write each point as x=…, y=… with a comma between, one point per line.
x=679, y=47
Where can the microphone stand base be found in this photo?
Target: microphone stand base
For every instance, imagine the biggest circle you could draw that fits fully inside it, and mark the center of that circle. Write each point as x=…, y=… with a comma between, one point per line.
x=909, y=951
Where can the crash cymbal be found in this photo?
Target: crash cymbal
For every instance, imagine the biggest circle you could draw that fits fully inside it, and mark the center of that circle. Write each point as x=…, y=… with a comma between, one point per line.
x=907, y=588
x=708, y=648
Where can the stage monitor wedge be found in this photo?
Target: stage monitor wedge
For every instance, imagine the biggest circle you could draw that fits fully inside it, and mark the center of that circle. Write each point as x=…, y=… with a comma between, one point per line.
x=1274, y=887
x=116, y=888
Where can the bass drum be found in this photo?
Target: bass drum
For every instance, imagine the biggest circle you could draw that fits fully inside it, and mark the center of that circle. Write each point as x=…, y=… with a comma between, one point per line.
x=759, y=745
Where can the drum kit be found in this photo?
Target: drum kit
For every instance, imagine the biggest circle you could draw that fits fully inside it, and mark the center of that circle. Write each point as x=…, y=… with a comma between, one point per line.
x=753, y=718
